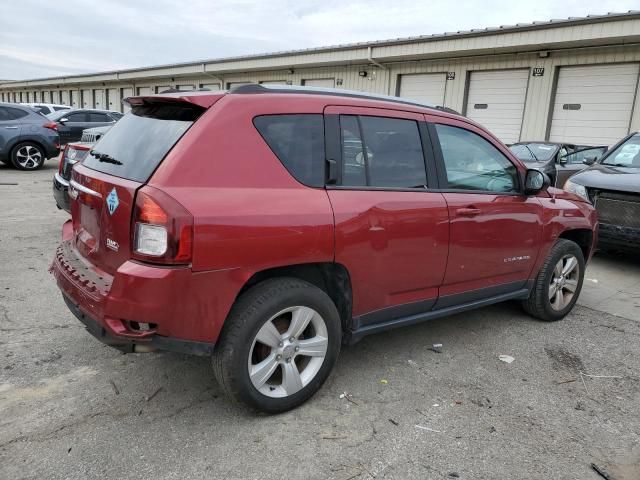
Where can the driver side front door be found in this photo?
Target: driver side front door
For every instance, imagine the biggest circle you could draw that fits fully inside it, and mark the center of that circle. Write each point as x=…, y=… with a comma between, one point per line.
x=495, y=229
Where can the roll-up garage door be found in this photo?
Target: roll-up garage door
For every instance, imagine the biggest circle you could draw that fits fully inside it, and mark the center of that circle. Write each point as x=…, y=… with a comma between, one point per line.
x=593, y=104
x=427, y=88
x=64, y=97
x=496, y=100
x=75, y=103
x=319, y=82
x=144, y=91
x=210, y=86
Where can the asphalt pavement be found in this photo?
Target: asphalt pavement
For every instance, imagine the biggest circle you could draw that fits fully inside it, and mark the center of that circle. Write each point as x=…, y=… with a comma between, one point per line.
x=395, y=407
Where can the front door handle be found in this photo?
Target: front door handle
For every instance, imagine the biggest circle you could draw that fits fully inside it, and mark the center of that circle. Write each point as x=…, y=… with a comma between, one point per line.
x=468, y=212
x=11, y=128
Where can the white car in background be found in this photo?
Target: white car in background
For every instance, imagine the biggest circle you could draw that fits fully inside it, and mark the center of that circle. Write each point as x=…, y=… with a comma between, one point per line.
x=47, y=108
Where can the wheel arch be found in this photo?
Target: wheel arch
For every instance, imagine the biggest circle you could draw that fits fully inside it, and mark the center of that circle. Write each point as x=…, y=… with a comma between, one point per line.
x=583, y=237
x=27, y=140
x=332, y=278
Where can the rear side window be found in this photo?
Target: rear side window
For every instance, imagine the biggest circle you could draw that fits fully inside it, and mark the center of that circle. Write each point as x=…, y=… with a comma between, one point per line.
x=8, y=113
x=298, y=142
x=79, y=117
x=381, y=152
x=99, y=118
x=138, y=143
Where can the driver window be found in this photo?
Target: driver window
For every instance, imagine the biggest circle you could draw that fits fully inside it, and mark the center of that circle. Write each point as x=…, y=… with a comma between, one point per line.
x=472, y=163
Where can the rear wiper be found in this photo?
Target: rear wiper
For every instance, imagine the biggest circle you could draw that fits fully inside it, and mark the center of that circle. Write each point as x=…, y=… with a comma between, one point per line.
x=104, y=157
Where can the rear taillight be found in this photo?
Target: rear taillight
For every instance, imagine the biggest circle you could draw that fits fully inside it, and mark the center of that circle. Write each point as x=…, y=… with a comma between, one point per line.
x=162, y=229
x=51, y=125
x=71, y=155
x=63, y=155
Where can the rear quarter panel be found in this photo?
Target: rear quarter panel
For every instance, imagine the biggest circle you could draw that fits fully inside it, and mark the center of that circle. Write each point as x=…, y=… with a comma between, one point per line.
x=249, y=213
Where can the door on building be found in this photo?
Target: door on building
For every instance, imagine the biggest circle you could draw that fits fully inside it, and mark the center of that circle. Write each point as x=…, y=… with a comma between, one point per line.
x=98, y=99
x=75, y=102
x=494, y=229
x=64, y=97
x=593, y=104
x=162, y=88
x=144, y=91
x=87, y=100
x=113, y=100
x=210, y=86
x=428, y=87
x=126, y=92
x=319, y=82
x=273, y=82
x=496, y=100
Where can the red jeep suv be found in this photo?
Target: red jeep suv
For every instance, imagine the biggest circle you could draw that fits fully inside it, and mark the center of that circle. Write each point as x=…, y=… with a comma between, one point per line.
x=266, y=226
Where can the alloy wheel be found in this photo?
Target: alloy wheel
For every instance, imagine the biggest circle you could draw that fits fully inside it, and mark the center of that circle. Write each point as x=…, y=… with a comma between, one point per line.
x=288, y=352
x=29, y=157
x=564, y=282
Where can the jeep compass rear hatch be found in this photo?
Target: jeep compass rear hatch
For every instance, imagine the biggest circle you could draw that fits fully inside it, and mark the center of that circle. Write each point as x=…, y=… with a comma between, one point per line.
x=116, y=217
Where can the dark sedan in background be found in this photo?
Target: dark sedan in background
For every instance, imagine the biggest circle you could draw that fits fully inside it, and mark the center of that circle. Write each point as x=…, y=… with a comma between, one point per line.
x=613, y=186
x=558, y=160
x=71, y=123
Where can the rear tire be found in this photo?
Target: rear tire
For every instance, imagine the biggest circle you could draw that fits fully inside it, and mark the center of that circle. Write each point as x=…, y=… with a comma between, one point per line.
x=28, y=156
x=558, y=285
x=279, y=344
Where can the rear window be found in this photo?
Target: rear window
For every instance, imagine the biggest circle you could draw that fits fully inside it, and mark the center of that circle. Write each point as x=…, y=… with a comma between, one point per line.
x=298, y=142
x=134, y=147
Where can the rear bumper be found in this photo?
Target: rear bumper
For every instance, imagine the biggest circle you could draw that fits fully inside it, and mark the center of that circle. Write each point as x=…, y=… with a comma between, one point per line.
x=185, y=310
x=156, y=342
x=615, y=236
x=60, y=192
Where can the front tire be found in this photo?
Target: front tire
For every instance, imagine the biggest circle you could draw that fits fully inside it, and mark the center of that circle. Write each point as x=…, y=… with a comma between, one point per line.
x=278, y=346
x=28, y=156
x=558, y=285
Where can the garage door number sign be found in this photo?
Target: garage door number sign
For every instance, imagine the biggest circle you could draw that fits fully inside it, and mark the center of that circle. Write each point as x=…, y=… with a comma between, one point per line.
x=538, y=71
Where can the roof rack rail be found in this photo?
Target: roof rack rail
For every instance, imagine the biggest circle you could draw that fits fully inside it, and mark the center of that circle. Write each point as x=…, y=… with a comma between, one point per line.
x=254, y=88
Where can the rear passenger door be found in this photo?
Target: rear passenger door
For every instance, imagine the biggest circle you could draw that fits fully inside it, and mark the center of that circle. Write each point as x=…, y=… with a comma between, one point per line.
x=391, y=230
x=495, y=229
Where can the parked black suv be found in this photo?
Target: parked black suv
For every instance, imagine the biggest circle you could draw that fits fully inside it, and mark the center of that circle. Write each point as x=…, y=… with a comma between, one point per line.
x=27, y=138
x=71, y=123
x=613, y=186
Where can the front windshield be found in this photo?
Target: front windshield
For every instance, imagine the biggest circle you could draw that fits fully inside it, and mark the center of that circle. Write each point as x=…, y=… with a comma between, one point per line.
x=534, y=152
x=626, y=155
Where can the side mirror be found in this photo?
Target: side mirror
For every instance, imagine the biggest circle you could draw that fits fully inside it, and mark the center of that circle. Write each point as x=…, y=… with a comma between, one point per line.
x=63, y=120
x=536, y=181
x=562, y=160
x=589, y=160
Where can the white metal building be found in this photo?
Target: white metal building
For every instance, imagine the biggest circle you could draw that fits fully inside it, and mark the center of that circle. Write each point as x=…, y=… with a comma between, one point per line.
x=574, y=80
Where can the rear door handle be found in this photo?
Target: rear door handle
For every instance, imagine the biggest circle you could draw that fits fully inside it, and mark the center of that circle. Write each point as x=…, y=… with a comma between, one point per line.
x=11, y=128
x=468, y=212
